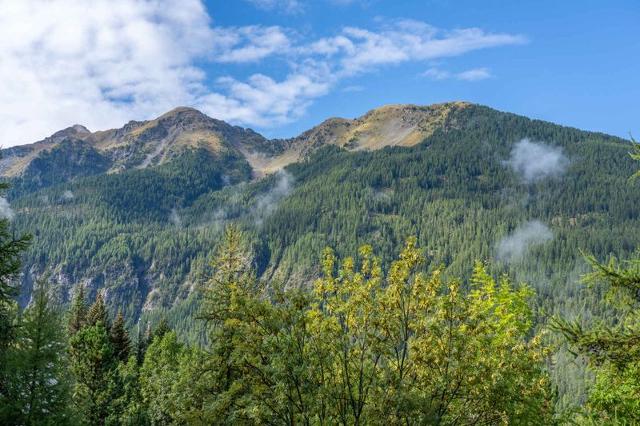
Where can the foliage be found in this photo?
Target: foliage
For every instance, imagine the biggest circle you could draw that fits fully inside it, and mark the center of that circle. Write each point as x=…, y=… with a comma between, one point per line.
x=39, y=391
x=94, y=366
x=612, y=347
x=366, y=348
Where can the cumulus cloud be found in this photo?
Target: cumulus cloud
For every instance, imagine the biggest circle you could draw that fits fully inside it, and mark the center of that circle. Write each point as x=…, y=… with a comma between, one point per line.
x=105, y=62
x=534, y=161
x=248, y=44
x=101, y=63
x=263, y=101
x=436, y=74
x=6, y=212
x=514, y=246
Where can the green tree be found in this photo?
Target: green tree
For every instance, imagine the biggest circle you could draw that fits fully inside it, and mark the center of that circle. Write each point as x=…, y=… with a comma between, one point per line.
x=158, y=377
x=160, y=330
x=41, y=345
x=406, y=348
x=11, y=251
x=78, y=312
x=40, y=387
x=97, y=313
x=94, y=366
x=612, y=348
x=120, y=339
x=373, y=348
x=130, y=407
x=224, y=295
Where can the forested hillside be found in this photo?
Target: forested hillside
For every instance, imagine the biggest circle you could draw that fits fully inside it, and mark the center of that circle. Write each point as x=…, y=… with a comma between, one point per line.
x=136, y=214
x=145, y=235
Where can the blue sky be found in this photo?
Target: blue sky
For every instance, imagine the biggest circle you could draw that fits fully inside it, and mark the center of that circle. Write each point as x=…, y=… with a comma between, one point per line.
x=283, y=66
x=580, y=65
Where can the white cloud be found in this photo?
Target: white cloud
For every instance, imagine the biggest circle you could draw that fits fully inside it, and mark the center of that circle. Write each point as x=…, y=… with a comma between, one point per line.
x=100, y=63
x=105, y=62
x=294, y=6
x=175, y=218
x=515, y=245
x=405, y=40
x=534, y=161
x=6, y=212
x=475, y=74
x=267, y=203
x=248, y=44
x=263, y=101
x=436, y=74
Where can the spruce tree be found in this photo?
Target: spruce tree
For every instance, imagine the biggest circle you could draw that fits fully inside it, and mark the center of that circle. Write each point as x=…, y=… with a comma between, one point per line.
x=42, y=388
x=161, y=329
x=78, y=312
x=94, y=366
x=98, y=313
x=120, y=339
x=11, y=249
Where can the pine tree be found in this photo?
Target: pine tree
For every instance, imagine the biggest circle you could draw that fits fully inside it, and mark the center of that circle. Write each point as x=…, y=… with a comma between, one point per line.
x=94, y=366
x=42, y=388
x=98, y=313
x=11, y=249
x=78, y=312
x=161, y=329
x=120, y=339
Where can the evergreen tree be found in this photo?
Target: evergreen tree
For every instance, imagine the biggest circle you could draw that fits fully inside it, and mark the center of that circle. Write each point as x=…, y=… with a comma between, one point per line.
x=42, y=391
x=78, y=312
x=11, y=250
x=120, y=339
x=94, y=366
x=131, y=409
x=160, y=330
x=97, y=313
x=142, y=341
x=611, y=347
x=158, y=377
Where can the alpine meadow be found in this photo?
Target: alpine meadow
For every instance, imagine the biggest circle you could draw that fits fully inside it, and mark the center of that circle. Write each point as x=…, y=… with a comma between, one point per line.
x=428, y=262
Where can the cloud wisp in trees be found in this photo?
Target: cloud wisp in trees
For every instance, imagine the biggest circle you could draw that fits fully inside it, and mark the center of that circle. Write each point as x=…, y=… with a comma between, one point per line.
x=515, y=245
x=6, y=212
x=534, y=161
x=268, y=202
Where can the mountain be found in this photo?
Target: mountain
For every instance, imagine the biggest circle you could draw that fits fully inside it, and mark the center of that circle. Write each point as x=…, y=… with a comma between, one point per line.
x=140, y=144
x=137, y=212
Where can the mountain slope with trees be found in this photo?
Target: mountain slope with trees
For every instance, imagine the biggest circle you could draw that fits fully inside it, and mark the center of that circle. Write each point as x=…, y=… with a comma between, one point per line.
x=276, y=329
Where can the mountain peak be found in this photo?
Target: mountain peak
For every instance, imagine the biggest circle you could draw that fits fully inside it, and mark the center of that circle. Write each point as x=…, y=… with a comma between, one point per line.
x=183, y=111
x=139, y=144
x=77, y=130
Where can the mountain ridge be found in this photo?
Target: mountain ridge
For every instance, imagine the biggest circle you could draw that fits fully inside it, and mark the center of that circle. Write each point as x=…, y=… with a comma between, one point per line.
x=143, y=234
x=140, y=144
